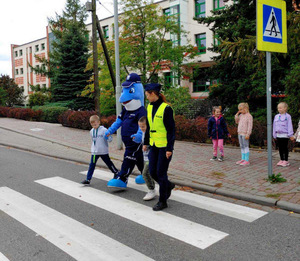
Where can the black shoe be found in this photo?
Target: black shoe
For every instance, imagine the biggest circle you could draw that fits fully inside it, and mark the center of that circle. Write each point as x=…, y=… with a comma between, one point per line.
x=170, y=189
x=160, y=206
x=85, y=182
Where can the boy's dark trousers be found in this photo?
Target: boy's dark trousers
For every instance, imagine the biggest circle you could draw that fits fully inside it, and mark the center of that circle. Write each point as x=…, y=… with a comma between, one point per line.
x=133, y=156
x=158, y=167
x=283, y=144
x=107, y=161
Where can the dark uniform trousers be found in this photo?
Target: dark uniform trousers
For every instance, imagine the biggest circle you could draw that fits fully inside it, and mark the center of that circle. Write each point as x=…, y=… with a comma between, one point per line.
x=158, y=167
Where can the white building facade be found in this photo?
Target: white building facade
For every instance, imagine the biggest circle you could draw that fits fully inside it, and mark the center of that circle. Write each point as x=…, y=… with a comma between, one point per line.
x=198, y=35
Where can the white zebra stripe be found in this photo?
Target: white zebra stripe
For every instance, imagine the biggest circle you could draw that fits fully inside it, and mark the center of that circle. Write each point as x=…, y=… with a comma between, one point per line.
x=187, y=231
x=218, y=206
x=3, y=257
x=79, y=241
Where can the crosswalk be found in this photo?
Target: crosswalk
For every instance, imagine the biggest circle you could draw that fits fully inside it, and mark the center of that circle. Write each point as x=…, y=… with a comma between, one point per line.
x=3, y=257
x=85, y=243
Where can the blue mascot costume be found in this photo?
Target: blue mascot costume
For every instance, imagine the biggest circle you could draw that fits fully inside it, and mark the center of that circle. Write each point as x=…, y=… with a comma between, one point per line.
x=132, y=98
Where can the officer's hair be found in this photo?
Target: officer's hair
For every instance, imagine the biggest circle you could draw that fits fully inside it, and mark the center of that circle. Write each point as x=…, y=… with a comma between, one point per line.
x=159, y=94
x=94, y=118
x=143, y=119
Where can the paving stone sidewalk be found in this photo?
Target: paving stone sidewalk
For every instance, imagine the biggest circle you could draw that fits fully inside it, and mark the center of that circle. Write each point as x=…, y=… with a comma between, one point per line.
x=191, y=165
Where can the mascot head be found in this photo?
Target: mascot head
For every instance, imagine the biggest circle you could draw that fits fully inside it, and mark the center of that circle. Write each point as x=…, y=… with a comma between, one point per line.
x=132, y=96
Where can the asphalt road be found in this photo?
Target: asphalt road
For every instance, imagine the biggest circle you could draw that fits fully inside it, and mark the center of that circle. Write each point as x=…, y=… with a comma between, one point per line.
x=45, y=214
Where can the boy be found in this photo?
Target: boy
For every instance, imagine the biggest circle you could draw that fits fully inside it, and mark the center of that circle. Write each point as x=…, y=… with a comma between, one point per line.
x=146, y=175
x=99, y=148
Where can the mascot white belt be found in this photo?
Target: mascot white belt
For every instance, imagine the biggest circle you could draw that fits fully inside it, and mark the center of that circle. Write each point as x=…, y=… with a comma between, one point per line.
x=132, y=98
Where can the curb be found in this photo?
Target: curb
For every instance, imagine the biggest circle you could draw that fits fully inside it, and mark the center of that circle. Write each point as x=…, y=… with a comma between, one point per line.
x=202, y=187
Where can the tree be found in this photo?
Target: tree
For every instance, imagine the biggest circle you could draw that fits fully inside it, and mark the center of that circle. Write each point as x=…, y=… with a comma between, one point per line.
x=13, y=94
x=239, y=67
x=68, y=57
x=144, y=46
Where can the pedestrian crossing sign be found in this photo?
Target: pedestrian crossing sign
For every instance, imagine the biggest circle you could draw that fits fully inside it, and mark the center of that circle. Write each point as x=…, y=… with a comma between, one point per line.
x=271, y=32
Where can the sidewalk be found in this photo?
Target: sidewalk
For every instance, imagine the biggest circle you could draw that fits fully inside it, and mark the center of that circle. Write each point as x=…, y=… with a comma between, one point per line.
x=190, y=166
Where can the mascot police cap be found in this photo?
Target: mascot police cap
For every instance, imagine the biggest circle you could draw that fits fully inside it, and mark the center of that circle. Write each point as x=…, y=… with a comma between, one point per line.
x=131, y=79
x=153, y=87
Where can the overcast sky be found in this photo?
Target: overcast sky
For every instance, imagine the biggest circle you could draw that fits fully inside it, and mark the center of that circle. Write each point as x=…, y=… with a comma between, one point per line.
x=23, y=21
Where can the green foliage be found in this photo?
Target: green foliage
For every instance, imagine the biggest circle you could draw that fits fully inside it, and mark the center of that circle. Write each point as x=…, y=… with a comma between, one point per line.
x=143, y=43
x=68, y=57
x=38, y=99
x=179, y=98
x=3, y=95
x=276, y=178
x=12, y=93
x=50, y=114
x=240, y=68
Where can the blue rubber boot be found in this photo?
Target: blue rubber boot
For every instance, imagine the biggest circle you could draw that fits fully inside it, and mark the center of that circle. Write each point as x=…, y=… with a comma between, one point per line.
x=139, y=179
x=116, y=183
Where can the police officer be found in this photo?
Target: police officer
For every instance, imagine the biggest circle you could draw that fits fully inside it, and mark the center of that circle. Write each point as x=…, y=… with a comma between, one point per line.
x=160, y=135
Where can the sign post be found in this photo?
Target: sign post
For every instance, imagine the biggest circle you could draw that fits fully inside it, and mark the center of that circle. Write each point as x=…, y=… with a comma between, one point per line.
x=271, y=36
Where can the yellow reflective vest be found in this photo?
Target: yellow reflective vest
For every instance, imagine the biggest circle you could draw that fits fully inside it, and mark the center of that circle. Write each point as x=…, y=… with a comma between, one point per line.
x=157, y=131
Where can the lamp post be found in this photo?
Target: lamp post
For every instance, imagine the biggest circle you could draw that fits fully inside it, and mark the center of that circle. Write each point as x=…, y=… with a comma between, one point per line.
x=92, y=7
x=117, y=61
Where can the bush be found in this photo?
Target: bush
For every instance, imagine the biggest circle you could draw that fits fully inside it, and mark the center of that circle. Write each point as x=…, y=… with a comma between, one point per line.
x=50, y=114
x=38, y=99
x=20, y=113
x=81, y=119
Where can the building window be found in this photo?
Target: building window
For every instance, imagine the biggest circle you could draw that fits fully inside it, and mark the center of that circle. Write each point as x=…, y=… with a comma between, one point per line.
x=171, y=80
x=173, y=12
x=30, y=49
x=201, y=43
x=37, y=48
x=17, y=71
x=16, y=53
x=199, y=8
x=21, y=71
x=200, y=81
x=21, y=52
x=219, y=4
x=43, y=46
x=217, y=42
x=105, y=32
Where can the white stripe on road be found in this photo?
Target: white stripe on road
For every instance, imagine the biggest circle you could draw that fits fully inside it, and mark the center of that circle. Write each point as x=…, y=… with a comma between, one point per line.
x=210, y=204
x=79, y=241
x=187, y=231
x=3, y=257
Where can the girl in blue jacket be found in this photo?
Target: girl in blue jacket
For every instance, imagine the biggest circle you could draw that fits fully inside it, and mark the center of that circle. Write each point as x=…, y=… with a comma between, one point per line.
x=217, y=131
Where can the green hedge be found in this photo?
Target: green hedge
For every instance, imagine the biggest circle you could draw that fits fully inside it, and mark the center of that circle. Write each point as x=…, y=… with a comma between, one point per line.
x=50, y=114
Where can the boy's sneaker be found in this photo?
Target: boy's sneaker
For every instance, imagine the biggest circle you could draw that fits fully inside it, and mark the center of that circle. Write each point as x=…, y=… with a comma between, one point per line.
x=245, y=163
x=214, y=158
x=280, y=163
x=239, y=162
x=150, y=195
x=85, y=182
x=221, y=158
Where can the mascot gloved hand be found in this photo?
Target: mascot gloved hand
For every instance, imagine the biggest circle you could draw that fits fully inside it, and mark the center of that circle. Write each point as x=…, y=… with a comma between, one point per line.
x=132, y=98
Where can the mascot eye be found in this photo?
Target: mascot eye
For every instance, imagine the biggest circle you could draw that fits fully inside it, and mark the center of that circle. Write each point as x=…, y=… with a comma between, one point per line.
x=132, y=90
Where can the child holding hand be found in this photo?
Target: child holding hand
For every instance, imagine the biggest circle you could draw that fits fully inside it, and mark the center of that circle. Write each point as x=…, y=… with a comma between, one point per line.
x=99, y=148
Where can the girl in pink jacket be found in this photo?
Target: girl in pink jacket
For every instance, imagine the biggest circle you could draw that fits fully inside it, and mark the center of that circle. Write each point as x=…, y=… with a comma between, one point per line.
x=245, y=122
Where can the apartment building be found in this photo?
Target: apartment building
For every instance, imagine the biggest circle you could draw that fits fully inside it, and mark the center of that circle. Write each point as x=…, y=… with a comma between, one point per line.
x=198, y=35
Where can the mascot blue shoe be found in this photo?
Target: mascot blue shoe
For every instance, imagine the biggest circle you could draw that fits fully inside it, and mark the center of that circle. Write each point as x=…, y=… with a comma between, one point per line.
x=117, y=184
x=139, y=179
